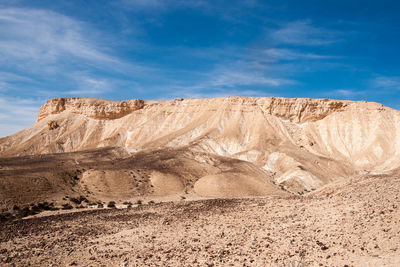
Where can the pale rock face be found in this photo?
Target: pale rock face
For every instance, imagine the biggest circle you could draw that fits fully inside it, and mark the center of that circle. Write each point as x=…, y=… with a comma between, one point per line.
x=90, y=107
x=307, y=141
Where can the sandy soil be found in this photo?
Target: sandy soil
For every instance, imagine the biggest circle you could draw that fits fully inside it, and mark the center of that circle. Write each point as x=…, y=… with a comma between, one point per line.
x=357, y=224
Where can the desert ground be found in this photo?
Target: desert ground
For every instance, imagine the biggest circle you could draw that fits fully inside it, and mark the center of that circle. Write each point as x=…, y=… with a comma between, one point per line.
x=355, y=224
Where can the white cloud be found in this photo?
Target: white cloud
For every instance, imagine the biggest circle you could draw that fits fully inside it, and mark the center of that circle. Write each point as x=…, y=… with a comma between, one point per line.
x=89, y=85
x=146, y=3
x=45, y=42
x=17, y=114
x=232, y=78
x=391, y=82
x=347, y=92
x=236, y=80
x=303, y=33
x=288, y=54
x=44, y=37
x=185, y=93
x=141, y=5
x=9, y=76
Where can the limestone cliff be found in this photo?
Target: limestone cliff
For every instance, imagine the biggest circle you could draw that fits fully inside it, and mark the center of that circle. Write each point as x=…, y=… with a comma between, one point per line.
x=302, y=142
x=293, y=109
x=90, y=107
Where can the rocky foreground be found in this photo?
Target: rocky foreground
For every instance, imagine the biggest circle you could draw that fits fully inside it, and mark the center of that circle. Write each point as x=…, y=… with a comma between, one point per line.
x=353, y=223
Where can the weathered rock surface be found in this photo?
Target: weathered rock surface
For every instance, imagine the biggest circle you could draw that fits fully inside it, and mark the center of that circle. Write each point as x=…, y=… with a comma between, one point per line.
x=302, y=142
x=90, y=107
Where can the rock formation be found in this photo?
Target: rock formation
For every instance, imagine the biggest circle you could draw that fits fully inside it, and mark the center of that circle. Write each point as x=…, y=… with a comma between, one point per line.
x=267, y=144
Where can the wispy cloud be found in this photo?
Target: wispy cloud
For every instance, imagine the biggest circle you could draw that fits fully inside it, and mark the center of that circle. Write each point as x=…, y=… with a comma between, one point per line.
x=289, y=54
x=43, y=37
x=236, y=80
x=162, y=5
x=224, y=9
x=185, y=93
x=347, y=92
x=145, y=3
x=17, y=113
x=45, y=43
x=45, y=54
x=231, y=78
x=304, y=33
x=89, y=86
x=385, y=82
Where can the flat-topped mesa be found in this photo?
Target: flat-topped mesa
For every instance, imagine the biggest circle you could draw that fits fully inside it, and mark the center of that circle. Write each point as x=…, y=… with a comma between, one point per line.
x=297, y=110
x=90, y=107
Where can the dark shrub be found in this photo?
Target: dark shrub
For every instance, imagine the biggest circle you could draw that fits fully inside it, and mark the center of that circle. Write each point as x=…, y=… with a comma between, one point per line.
x=83, y=199
x=111, y=204
x=6, y=217
x=45, y=206
x=67, y=206
x=34, y=210
x=24, y=212
x=75, y=200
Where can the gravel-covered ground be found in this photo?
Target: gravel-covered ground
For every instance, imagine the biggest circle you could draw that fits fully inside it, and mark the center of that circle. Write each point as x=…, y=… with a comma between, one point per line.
x=354, y=223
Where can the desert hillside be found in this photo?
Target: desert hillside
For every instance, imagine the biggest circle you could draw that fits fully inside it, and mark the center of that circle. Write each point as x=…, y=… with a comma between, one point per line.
x=299, y=143
x=221, y=181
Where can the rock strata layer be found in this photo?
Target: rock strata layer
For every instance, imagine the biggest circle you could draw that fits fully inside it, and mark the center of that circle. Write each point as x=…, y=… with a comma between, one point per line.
x=301, y=143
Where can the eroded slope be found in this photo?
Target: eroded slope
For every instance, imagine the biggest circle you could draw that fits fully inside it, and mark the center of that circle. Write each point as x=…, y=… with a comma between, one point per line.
x=109, y=174
x=302, y=144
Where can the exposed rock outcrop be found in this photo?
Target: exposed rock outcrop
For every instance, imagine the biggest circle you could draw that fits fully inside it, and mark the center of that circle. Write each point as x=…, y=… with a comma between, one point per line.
x=293, y=109
x=90, y=107
x=301, y=142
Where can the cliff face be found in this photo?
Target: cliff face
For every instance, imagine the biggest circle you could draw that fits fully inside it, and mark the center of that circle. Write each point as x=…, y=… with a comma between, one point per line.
x=302, y=142
x=301, y=109
x=90, y=107
x=293, y=109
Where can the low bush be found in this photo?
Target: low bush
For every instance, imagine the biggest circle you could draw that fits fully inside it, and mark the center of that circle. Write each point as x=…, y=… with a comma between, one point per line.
x=67, y=206
x=6, y=217
x=35, y=210
x=111, y=204
x=45, y=206
x=75, y=200
x=23, y=212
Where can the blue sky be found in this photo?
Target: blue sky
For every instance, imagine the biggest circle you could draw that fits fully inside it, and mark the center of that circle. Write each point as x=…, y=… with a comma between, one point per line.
x=166, y=49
